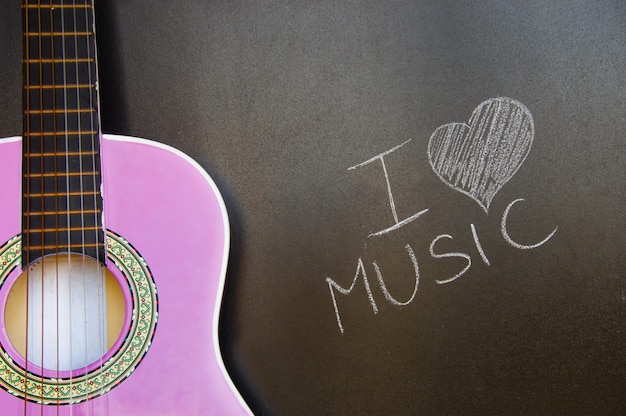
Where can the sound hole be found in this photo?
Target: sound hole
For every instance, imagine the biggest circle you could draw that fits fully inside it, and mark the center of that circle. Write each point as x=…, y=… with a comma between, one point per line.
x=75, y=311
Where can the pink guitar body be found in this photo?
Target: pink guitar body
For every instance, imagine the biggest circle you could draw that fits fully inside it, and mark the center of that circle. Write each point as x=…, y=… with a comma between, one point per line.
x=170, y=211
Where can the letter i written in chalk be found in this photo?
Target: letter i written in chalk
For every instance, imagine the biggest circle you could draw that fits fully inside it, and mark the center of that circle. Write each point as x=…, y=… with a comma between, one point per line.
x=398, y=223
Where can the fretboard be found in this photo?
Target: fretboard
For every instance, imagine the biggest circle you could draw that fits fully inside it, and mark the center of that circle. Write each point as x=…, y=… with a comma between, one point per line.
x=61, y=200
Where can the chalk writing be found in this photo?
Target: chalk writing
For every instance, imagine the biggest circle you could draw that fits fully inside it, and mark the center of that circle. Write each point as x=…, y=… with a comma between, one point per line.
x=509, y=240
x=383, y=287
x=360, y=270
x=392, y=203
x=476, y=159
x=479, y=247
x=447, y=255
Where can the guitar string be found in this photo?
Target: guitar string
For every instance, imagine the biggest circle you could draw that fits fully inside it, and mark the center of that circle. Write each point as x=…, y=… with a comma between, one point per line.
x=95, y=146
x=41, y=167
x=56, y=199
x=93, y=178
x=26, y=149
x=41, y=145
x=77, y=74
x=90, y=67
x=81, y=185
x=67, y=191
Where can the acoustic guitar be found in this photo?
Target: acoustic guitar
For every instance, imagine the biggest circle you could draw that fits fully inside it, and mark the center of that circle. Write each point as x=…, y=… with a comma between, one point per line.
x=114, y=250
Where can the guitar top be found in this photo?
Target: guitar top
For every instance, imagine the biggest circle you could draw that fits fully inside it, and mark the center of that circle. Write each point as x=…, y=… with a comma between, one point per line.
x=119, y=242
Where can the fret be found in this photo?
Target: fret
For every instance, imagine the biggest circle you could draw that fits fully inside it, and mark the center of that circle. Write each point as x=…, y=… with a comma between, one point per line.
x=52, y=206
x=60, y=246
x=30, y=256
x=60, y=144
x=63, y=155
x=57, y=6
x=87, y=218
x=60, y=133
x=59, y=194
x=61, y=111
x=59, y=230
x=58, y=174
x=57, y=3
x=60, y=86
x=58, y=60
x=61, y=183
x=69, y=239
x=78, y=203
x=64, y=33
x=60, y=213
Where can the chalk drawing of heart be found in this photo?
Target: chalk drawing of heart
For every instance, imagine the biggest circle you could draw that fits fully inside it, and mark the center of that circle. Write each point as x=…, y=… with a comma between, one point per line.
x=479, y=157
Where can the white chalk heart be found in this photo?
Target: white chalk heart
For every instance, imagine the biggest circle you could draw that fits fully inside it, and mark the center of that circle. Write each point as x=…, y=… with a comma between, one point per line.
x=478, y=158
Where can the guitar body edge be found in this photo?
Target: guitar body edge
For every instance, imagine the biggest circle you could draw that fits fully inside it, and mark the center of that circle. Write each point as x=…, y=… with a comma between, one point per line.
x=171, y=212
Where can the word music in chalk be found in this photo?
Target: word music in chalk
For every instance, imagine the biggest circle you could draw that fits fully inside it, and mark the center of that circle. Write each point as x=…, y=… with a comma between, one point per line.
x=476, y=160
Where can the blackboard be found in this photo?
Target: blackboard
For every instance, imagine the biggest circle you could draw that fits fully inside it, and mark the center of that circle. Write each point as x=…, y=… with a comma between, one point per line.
x=326, y=126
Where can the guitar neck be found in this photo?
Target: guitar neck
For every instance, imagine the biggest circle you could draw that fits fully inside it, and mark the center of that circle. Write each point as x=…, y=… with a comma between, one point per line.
x=61, y=200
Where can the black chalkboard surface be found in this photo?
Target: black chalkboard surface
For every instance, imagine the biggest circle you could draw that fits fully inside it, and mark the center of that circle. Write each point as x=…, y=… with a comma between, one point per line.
x=426, y=197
